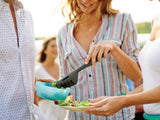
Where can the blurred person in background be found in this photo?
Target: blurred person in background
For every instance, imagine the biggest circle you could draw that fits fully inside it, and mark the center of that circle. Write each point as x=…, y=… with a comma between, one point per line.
x=49, y=69
x=149, y=59
x=93, y=25
x=17, y=57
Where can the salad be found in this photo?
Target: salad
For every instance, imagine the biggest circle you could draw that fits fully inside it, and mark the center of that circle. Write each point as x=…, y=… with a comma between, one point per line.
x=54, y=85
x=70, y=102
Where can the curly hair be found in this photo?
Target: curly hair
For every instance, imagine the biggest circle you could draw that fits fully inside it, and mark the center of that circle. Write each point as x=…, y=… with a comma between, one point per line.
x=75, y=12
x=42, y=55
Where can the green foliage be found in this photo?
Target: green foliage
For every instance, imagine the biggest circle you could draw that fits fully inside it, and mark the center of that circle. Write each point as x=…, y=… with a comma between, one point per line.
x=143, y=28
x=40, y=38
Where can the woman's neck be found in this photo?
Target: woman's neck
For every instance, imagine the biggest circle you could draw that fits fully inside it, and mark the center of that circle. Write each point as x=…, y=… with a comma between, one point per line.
x=90, y=19
x=49, y=62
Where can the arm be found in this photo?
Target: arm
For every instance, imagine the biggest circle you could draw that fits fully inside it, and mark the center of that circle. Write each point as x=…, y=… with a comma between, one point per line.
x=128, y=66
x=150, y=96
x=36, y=98
x=136, y=90
x=126, y=57
x=106, y=106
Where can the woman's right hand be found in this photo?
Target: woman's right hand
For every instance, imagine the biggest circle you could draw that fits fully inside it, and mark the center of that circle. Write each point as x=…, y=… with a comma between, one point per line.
x=100, y=50
x=106, y=106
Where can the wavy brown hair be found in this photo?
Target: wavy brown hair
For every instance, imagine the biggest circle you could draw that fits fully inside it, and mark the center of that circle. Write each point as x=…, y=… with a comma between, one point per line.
x=75, y=13
x=42, y=55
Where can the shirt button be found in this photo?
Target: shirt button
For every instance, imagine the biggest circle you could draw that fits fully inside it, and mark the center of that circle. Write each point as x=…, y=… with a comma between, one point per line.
x=89, y=75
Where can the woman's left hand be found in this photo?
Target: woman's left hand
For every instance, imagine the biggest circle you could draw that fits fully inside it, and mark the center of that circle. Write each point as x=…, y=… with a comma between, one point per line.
x=36, y=98
x=100, y=50
x=106, y=106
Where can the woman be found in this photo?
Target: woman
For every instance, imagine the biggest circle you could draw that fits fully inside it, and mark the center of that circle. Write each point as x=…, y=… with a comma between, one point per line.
x=149, y=59
x=95, y=22
x=49, y=69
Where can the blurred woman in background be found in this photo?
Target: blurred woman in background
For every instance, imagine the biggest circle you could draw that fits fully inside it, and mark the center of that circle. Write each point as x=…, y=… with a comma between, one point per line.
x=49, y=69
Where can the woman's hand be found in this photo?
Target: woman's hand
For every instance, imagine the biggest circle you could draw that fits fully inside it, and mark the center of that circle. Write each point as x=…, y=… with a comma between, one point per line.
x=46, y=80
x=100, y=50
x=106, y=106
x=37, y=99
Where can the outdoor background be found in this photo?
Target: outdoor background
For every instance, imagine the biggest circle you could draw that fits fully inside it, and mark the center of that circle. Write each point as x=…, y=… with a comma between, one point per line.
x=48, y=19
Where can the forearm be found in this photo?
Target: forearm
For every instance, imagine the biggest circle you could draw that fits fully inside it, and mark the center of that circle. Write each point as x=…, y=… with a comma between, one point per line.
x=150, y=96
x=128, y=66
x=36, y=99
x=136, y=90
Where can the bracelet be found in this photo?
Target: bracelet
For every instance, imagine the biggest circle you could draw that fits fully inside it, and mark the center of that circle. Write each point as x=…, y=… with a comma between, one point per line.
x=123, y=93
x=151, y=116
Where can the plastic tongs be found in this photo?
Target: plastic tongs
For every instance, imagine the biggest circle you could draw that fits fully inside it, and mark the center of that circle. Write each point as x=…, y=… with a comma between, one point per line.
x=72, y=78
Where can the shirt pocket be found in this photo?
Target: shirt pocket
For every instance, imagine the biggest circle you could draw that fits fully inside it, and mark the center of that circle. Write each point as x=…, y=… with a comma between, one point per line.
x=67, y=53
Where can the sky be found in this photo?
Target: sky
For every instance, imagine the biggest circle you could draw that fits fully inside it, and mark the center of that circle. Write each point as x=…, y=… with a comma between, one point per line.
x=47, y=22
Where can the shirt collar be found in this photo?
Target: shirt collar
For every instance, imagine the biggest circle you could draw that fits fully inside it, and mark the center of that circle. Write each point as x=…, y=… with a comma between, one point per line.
x=17, y=4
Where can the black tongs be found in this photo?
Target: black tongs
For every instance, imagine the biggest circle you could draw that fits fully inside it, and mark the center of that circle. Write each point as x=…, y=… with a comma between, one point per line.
x=72, y=78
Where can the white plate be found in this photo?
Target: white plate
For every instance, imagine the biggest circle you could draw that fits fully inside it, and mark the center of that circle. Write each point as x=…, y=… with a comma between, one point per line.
x=77, y=108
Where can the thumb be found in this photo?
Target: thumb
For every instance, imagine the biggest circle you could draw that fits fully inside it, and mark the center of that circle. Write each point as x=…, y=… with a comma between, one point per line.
x=101, y=103
x=96, y=99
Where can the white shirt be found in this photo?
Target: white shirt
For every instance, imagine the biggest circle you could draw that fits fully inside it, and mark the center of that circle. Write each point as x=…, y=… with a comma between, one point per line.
x=52, y=111
x=149, y=59
x=17, y=65
x=42, y=73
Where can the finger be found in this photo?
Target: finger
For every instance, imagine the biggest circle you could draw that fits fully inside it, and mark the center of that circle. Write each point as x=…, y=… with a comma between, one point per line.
x=35, y=88
x=106, y=112
x=100, y=55
x=101, y=103
x=106, y=52
x=96, y=99
x=46, y=80
x=100, y=113
x=94, y=55
x=89, y=56
x=95, y=110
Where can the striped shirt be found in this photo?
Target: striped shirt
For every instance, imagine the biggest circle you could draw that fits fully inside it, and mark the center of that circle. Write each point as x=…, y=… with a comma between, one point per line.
x=106, y=79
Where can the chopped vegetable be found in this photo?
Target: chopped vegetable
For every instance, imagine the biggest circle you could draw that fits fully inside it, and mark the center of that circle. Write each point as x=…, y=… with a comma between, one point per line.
x=70, y=102
x=54, y=85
